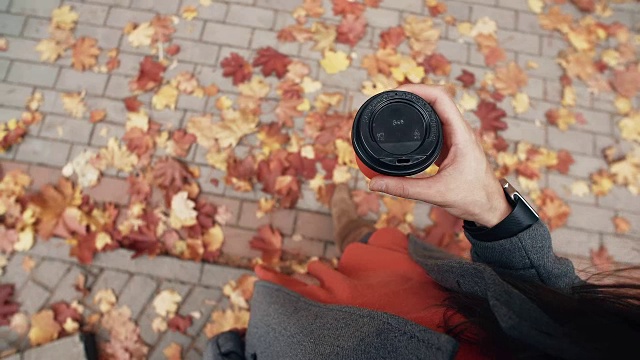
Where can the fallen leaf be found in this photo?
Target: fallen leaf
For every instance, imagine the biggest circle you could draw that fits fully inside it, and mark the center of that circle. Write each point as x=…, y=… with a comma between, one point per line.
x=159, y=325
x=19, y=323
x=141, y=35
x=226, y=320
x=166, y=302
x=180, y=323
x=552, y=209
x=565, y=160
x=351, y=29
x=189, y=12
x=8, y=308
x=97, y=115
x=621, y=224
x=50, y=50
x=334, y=62
x=183, y=213
x=105, y=299
x=271, y=61
x=149, y=76
x=520, y=103
x=580, y=188
x=165, y=98
x=64, y=18
x=627, y=81
x=490, y=116
x=366, y=202
x=174, y=350
x=509, y=79
x=44, y=328
x=4, y=43
x=536, y=5
x=467, y=78
x=236, y=67
x=85, y=53
x=269, y=242
x=28, y=264
x=601, y=183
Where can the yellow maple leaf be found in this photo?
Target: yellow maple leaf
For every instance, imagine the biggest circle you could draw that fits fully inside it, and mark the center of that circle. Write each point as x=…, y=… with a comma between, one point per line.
x=569, y=96
x=579, y=188
x=50, y=50
x=520, y=103
x=334, y=62
x=166, y=302
x=309, y=85
x=601, y=183
x=74, y=104
x=468, y=101
x=408, y=69
x=183, y=211
x=102, y=239
x=44, y=328
x=64, y=18
x=630, y=127
x=257, y=87
x=25, y=241
x=138, y=119
x=189, y=12
x=166, y=97
x=141, y=35
x=536, y=5
x=229, y=132
x=116, y=156
x=324, y=35
x=105, y=299
x=341, y=174
x=346, y=155
x=623, y=105
x=226, y=320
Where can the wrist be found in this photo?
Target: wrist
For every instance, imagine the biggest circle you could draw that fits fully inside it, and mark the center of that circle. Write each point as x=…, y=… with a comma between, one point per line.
x=496, y=209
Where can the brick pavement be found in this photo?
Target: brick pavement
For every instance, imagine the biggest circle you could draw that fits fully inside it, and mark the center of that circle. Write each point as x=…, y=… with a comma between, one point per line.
x=243, y=26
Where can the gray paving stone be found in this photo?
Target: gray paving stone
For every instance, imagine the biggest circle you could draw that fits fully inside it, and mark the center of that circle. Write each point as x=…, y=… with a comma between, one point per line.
x=528, y=22
x=585, y=165
x=46, y=152
x=404, y=5
x=121, y=3
x=107, y=38
x=69, y=347
x=89, y=13
x=53, y=248
x=115, y=85
x=620, y=198
x=568, y=241
x=589, y=217
x=116, y=111
x=597, y=121
x=453, y=50
x=189, y=29
x=534, y=88
x=66, y=128
x=193, y=355
x=160, y=266
x=250, y=16
x=66, y=289
x=197, y=52
x=137, y=293
x=21, y=49
x=277, y=4
x=14, y=273
x=520, y=42
x=119, y=17
x=459, y=10
x=162, y=7
x=506, y=19
x=623, y=249
x=192, y=103
x=10, y=95
x=263, y=38
x=4, y=5
x=382, y=18
x=33, y=74
x=518, y=5
x=562, y=186
x=71, y=80
x=4, y=68
x=214, y=12
x=31, y=297
x=574, y=141
x=548, y=68
x=50, y=272
x=227, y=34
x=108, y=279
x=218, y=275
x=351, y=79
x=37, y=28
x=34, y=7
x=112, y=130
x=200, y=342
x=202, y=300
x=11, y=24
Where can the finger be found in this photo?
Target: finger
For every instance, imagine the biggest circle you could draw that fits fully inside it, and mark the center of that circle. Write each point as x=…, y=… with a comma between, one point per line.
x=423, y=189
x=453, y=125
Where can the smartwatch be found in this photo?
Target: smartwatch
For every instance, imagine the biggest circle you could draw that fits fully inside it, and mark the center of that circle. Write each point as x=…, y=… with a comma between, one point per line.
x=520, y=219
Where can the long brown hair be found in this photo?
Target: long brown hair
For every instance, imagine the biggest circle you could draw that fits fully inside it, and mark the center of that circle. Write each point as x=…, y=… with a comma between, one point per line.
x=603, y=317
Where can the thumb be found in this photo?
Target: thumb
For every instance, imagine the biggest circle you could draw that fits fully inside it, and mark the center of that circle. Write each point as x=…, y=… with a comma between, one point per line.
x=424, y=189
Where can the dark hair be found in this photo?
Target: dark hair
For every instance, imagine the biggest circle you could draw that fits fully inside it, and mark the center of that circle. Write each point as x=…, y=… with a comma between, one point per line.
x=605, y=316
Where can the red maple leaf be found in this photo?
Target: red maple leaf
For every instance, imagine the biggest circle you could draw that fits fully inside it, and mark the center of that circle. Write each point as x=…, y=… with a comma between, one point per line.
x=467, y=78
x=180, y=323
x=172, y=50
x=269, y=242
x=345, y=7
x=272, y=61
x=445, y=231
x=490, y=116
x=163, y=26
x=7, y=306
x=132, y=104
x=242, y=170
x=149, y=76
x=236, y=67
x=587, y=6
x=63, y=311
x=627, y=82
x=392, y=37
x=565, y=160
x=437, y=64
x=351, y=29
x=182, y=141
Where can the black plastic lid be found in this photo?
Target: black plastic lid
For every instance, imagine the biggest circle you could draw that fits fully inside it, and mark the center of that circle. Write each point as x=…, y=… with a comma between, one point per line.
x=397, y=133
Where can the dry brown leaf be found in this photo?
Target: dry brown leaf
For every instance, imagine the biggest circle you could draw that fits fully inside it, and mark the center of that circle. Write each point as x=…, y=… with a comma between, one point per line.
x=64, y=18
x=50, y=50
x=621, y=224
x=44, y=328
x=226, y=320
x=74, y=104
x=173, y=351
x=85, y=53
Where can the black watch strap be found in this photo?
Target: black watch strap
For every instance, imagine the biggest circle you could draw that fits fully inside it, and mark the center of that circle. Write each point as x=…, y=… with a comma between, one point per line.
x=519, y=220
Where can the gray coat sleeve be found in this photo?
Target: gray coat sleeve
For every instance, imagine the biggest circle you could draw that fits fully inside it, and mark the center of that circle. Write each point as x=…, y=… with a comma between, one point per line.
x=528, y=255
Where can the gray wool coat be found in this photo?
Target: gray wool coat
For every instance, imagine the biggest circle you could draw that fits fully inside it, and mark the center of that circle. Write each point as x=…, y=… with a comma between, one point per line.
x=285, y=325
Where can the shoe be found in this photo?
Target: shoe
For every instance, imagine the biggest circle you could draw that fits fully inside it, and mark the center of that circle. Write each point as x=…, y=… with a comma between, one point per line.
x=348, y=227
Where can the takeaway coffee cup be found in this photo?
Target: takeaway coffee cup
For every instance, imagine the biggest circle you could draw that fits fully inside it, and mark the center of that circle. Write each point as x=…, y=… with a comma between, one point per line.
x=396, y=133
